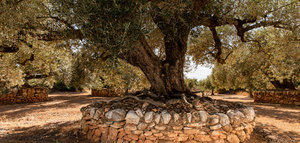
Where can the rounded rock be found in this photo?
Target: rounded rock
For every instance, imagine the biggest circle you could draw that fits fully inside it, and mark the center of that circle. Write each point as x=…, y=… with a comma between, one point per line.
x=149, y=117
x=189, y=117
x=116, y=115
x=157, y=118
x=176, y=117
x=166, y=117
x=236, y=116
x=224, y=119
x=203, y=116
x=214, y=119
x=249, y=113
x=139, y=113
x=132, y=118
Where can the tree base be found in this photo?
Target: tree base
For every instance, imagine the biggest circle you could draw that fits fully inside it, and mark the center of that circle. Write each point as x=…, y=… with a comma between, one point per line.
x=146, y=120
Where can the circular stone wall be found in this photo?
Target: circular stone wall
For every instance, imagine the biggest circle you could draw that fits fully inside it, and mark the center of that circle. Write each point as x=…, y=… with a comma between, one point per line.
x=102, y=124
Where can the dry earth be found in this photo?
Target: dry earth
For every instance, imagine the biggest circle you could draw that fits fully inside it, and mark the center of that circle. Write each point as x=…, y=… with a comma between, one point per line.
x=58, y=120
x=274, y=121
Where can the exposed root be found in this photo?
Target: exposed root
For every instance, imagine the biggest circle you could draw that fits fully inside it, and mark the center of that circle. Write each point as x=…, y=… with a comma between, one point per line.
x=185, y=101
x=148, y=100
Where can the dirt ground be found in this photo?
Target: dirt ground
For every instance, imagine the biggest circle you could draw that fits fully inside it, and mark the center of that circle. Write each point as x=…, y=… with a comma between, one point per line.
x=58, y=120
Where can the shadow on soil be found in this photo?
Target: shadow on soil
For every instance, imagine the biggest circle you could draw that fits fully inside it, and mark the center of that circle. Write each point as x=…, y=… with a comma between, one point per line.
x=291, y=117
x=274, y=135
x=68, y=132
x=55, y=102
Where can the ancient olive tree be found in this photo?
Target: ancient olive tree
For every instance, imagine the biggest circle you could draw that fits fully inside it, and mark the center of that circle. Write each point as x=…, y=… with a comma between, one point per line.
x=24, y=58
x=270, y=61
x=153, y=35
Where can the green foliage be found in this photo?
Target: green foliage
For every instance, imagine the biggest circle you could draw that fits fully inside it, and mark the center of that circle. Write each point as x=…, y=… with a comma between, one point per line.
x=206, y=84
x=272, y=55
x=79, y=42
x=41, y=60
x=192, y=83
x=62, y=87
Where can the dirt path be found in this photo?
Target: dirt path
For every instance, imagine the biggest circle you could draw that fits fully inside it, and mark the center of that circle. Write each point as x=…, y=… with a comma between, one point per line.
x=278, y=122
x=57, y=120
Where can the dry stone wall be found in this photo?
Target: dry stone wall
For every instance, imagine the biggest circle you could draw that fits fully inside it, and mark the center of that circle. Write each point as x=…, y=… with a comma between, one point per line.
x=25, y=95
x=104, y=93
x=281, y=97
x=120, y=126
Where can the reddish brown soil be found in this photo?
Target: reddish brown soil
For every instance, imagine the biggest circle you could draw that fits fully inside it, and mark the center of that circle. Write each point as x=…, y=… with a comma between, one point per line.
x=58, y=120
x=281, y=121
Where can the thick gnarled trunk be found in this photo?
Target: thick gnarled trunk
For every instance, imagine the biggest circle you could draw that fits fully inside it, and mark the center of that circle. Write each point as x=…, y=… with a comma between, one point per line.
x=165, y=76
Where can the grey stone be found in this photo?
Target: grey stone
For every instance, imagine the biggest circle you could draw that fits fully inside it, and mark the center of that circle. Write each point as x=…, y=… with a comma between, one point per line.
x=157, y=118
x=224, y=119
x=115, y=115
x=139, y=113
x=166, y=117
x=132, y=118
x=176, y=117
x=92, y=111
x=214, y=119
x=189, y=117
x=236, y=116
x=149, y=117
x=203, y=116
x=249, y=113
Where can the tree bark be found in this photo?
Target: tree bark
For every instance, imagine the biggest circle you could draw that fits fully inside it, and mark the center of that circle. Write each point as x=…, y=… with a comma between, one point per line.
x=165, y=76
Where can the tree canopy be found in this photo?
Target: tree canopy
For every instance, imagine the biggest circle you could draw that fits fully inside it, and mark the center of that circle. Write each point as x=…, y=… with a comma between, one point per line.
x=270, y=61
x=154, y=36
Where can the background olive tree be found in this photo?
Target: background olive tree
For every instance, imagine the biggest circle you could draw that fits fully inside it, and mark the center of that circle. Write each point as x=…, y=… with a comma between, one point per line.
x=154, y=36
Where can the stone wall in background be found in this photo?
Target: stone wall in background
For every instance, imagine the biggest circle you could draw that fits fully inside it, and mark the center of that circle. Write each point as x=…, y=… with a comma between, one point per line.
x=104, y=93
x=281, y=97
x=25, y=95
x=120, y=126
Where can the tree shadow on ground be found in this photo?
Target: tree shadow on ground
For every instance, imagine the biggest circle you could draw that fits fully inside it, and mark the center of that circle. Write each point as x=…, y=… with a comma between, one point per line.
x=272, y=134
x=56, y=101
x=244, y=98
x=287, y=113
x=68, y=132
x=286, y=116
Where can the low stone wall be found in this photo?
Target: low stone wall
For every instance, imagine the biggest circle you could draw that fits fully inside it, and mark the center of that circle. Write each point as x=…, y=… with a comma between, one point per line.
x=25, y=95
x=281, y=97
x=101, y=124
x=104, y=93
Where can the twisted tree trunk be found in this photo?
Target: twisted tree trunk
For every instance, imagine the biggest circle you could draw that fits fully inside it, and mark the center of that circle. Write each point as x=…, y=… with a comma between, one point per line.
x=165, y=76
